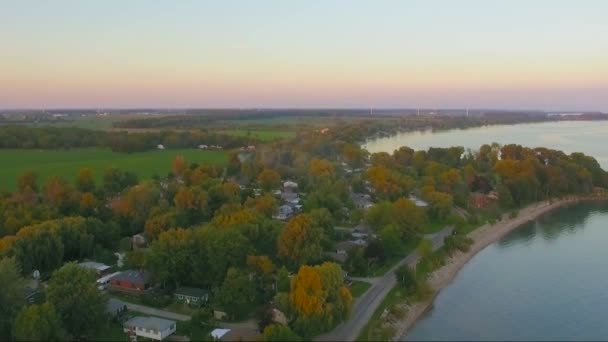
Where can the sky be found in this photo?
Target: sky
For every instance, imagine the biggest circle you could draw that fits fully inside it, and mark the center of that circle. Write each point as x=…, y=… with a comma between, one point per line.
x=541, y=54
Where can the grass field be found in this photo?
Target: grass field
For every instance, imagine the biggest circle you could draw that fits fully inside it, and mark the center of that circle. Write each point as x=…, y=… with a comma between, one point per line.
x=263, y=135
x=66, y=163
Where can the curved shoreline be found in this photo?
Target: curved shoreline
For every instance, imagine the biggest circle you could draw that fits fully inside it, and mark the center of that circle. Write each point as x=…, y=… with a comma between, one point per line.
x=482, y=237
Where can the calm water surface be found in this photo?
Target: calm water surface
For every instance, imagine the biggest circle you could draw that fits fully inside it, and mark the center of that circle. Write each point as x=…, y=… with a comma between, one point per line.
x=589, y=137
x=545, y=281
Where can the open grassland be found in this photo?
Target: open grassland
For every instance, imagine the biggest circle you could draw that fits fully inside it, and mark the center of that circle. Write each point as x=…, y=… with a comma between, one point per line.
x=66, y=163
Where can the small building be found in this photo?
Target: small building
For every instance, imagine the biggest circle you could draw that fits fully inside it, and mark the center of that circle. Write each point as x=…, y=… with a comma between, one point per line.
x=203, y=147
x=481, y=200
x=220, y=314
x=104, y=282
x=132, y=281
x=290, y=186
x=418, y=202
x=138, y=241
x=236, y=334
x=290, y=198
x=191, y=295
x=160, y=146
x=361, y=201
x=251, y=148
x=149, y=327
x=115, y=308
x=284, y=213
x=97, y=267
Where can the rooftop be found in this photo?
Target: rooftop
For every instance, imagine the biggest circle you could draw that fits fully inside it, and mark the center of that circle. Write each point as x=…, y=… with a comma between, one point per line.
x=92, y=265
x=133, y=276
x=154, y=323
x=191, y=291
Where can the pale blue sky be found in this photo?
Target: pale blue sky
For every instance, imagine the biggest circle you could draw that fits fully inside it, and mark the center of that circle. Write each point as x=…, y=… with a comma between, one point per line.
x=507, y=54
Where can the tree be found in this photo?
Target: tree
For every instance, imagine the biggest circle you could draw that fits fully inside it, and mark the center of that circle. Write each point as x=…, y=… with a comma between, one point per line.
x=300, y=240
x=265, y=205
x=269, y=179
x=179, y=165
x=307, y=293
x=79, y=303
x=391, y=240
x=236, y=292
x=169, y=257
x=11, y=295
x=84, y=180
x=406, y=277
x=28, y=181
x=39, y=323
x=425, y=248
x=320, y=169
x=279, y=333
x=440, y=204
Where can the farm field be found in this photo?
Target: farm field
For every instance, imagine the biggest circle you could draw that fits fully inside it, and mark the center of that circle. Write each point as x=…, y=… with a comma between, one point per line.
x=66, y=163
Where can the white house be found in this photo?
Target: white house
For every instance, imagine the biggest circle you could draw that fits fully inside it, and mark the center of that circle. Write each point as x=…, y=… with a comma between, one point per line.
x=150, y=327
x=203, y=147
x=160, y=146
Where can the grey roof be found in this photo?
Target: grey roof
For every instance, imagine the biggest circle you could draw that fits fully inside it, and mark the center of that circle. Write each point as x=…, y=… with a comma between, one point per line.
x=191, y=292
x=92, y=265
x=133, y=276
x=154, y=323
x=113, y=306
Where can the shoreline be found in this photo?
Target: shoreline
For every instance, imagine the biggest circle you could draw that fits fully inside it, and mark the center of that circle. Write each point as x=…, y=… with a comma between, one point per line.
x=482, y=237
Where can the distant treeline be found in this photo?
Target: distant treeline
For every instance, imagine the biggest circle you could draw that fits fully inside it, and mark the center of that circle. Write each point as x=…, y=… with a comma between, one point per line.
x=69, y=137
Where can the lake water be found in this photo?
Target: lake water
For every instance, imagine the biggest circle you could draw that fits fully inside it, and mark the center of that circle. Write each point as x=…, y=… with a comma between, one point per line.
x=589, y=137
x=544, y=281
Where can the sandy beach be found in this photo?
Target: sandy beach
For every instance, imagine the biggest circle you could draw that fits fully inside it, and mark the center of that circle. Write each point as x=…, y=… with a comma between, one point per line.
x=482, y=237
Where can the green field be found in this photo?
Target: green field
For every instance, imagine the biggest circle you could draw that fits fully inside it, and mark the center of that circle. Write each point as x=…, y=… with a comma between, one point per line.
x=66, y=163
x=263, y=135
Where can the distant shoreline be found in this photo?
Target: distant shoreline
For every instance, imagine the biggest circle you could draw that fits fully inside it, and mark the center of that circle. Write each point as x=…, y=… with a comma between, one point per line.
x=482, y=237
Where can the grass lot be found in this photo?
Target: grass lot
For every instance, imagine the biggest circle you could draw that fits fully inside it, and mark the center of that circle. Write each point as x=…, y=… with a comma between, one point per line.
x=263, y=135
x=358, y=288
x=66, y=163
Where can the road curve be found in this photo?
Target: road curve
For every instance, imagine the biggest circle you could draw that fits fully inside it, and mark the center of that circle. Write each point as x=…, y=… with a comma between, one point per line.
x=365, y=306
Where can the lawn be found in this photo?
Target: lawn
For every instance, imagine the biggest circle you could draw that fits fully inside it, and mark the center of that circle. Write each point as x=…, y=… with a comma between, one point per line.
x=263, y=135
x=358, y=288
x=66, y=163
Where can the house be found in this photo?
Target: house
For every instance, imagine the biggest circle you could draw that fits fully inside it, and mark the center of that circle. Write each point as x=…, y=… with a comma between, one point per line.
x=103, y=282
x=290, y=198
x=290, y=186
x=361, y=201
x=97, y=267
x=149, y=327
x=251, y=148
x=284, y=213
x=132, y=281
x=191, y=295
x=236, y=334
x=115, y=308
x=324, y=130
x=481, y=200
x=160, y=146
x=418, y=202
x=203, y=147
x=278, y=316
x=138, y=241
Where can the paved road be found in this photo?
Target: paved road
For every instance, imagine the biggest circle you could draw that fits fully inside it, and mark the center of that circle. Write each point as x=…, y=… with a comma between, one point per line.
x=156, y=312
x=365, y=306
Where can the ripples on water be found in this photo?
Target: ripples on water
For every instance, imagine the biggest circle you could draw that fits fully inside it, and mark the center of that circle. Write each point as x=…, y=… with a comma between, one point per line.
x=544, y=281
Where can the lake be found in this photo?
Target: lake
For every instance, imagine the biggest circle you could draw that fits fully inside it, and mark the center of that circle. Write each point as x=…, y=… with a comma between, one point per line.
x=589, y=137
x=544, y=281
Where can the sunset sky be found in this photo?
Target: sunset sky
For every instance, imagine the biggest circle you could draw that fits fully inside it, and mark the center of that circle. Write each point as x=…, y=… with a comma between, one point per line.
x=478, y=54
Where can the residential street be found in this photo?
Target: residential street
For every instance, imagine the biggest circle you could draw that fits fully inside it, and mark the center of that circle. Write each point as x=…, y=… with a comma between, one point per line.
x=365, y=306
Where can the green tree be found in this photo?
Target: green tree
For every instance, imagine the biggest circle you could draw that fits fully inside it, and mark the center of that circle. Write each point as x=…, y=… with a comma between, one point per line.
x=84, y=180
x=39, y=323
x=78, y=302
x=425, y=248
x=11, y=295
x=279, y=333
x=236, y=292
x=391, y=240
